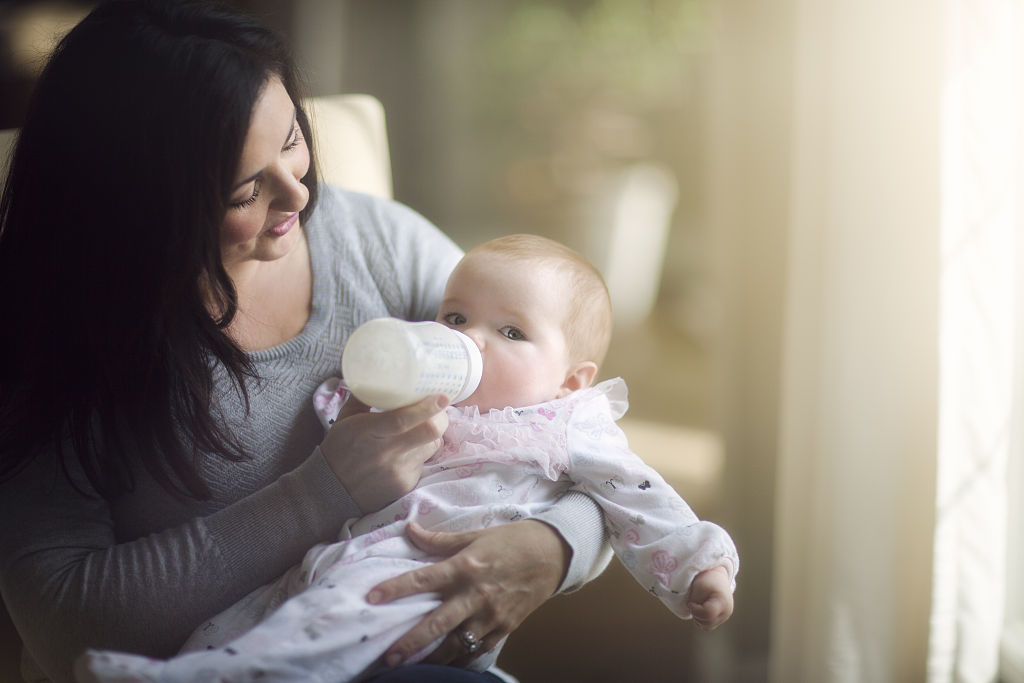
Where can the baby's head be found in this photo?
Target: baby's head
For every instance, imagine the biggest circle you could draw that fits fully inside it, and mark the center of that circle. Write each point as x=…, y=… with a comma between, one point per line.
x=540, y=314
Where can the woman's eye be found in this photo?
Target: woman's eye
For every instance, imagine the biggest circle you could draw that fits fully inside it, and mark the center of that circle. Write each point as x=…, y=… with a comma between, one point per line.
x=296, y=139
x=455, y=319
x=513, y=333
x=250, y=200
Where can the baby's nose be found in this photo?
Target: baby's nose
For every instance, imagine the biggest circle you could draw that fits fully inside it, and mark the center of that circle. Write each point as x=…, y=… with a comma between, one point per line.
x=476, y=335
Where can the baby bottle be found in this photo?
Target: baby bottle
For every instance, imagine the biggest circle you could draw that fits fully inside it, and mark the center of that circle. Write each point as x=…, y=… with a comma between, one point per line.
x=389, y=363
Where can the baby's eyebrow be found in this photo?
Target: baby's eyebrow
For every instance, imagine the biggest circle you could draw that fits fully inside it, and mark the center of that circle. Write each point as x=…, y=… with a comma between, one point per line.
x=516, y=314
x=451, y=302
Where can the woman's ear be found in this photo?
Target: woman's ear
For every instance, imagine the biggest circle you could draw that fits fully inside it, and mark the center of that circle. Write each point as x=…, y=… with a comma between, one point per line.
x=579, y=377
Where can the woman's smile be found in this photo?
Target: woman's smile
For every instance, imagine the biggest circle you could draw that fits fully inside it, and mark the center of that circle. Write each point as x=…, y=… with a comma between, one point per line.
x=284, y=226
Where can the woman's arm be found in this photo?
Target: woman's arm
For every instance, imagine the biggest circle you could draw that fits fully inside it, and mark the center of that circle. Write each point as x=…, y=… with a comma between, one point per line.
x=69, y=583
x=579, y=521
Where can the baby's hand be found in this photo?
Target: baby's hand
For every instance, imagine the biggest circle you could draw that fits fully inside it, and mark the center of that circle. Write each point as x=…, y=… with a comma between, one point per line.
x=710, y=598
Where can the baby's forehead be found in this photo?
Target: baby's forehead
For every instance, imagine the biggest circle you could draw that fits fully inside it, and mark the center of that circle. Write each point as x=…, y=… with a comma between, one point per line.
x=512, y=279
x=491, y=261
x=541, y=276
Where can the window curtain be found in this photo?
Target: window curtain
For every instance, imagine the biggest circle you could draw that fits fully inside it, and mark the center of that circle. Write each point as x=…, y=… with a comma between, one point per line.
x=979, y=340
x=900, y=342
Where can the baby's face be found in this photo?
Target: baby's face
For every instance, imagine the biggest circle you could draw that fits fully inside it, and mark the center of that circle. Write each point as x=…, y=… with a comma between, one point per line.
x=514, y=311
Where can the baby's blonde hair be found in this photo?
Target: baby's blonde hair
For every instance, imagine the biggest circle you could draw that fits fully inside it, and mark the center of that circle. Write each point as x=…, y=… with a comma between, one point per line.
x=588, y=329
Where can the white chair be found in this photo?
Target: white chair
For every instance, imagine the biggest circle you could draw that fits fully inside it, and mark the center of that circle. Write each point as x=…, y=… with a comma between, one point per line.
x=352, y=142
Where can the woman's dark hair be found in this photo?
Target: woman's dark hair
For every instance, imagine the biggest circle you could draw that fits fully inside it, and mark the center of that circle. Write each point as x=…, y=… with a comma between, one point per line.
x=113, y=297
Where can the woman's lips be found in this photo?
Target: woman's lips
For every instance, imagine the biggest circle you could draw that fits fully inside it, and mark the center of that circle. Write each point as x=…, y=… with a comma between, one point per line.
x=284, y=226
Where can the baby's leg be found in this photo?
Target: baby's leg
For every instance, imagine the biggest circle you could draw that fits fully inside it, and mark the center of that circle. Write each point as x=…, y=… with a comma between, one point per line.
x=244, y=614
x=328, y=632
x=261, y=603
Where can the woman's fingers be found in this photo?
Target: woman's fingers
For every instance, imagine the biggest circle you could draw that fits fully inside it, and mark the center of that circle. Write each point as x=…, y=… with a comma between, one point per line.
x=443, y=622
x=351, y=406
x=444, y=543
x=464, y=644
x=423, y=436
x=448, y=619
x=403, y=420
x=434, y=578
x=491, y=583
x=379, y=456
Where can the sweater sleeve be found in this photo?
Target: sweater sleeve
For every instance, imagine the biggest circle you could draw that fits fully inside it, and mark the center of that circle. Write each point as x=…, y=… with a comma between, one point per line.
x=578, y=519
x=68, y=584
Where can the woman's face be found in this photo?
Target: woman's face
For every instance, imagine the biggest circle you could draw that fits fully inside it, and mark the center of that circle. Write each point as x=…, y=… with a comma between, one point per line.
x=262, y=223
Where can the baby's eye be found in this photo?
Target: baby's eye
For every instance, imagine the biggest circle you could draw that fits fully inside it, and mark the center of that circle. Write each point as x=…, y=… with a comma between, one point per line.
x=455, y=319
x=513, y=333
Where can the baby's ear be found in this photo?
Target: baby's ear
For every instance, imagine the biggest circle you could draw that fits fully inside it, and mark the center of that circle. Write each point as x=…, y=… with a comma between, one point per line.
x=579, y=377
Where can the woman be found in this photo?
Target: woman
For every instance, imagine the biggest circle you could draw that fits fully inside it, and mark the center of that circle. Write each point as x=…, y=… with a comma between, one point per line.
x=173, y=290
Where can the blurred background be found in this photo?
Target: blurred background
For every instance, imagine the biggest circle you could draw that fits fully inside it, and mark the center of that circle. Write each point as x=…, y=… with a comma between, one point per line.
x=778, y=192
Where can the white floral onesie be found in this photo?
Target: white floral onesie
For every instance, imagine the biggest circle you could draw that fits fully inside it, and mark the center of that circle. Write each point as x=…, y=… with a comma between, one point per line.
x=314, y=624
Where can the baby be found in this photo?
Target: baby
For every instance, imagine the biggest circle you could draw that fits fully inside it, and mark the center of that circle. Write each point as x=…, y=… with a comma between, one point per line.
x=534, y=428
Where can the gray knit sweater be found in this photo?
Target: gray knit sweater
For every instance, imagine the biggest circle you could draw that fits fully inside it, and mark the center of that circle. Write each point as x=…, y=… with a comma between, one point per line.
x=140, y=573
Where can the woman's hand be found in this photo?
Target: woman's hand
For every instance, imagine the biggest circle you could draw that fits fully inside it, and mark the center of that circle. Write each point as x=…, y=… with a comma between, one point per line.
x=492, y=580
x=379, y=456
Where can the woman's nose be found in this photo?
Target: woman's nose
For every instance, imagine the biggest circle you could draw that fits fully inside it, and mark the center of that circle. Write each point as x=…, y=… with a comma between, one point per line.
x=292, y=194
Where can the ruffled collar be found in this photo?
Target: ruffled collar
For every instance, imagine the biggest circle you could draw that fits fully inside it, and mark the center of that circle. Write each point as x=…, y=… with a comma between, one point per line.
x=532, y=438
x=613, y=389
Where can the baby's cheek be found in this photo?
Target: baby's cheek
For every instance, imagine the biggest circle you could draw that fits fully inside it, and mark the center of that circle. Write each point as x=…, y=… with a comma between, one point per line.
x=497, y=390
x=485, y=398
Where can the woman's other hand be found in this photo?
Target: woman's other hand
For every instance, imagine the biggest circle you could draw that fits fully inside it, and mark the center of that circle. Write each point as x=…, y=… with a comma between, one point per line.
x=379, y=457
x=492, y=580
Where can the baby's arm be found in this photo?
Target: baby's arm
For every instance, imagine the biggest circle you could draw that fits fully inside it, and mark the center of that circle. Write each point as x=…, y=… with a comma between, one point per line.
x=689, y=564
